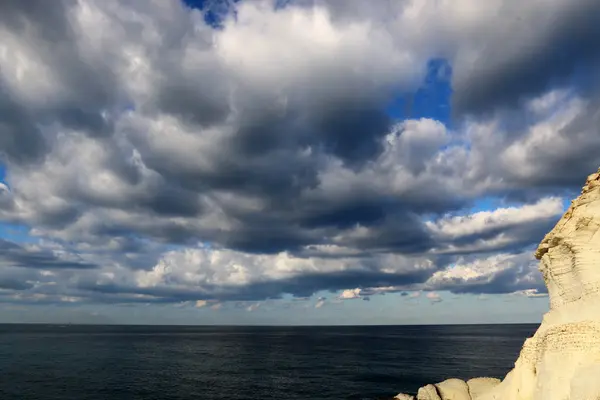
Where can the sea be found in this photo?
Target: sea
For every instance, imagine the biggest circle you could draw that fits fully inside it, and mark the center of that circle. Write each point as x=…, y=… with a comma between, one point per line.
x=92, y=362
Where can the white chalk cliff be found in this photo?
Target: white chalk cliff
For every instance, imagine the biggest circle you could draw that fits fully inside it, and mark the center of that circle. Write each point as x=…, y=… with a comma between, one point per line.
x=562, y=359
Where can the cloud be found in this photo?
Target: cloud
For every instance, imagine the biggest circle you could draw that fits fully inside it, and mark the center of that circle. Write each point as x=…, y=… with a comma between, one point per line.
x=154, y=158
x=497, y=219
x=366, y=293
x=434, y=297
x=33, y=256
x=321, y=301
x=350, y=294
x=201, y=303
x=546, y=146
x=221, y=274
x=536, y=49
x=381, y=290
x=498, y=273
x=531, y=293
x=301, y=299
x=502, y=52
x=499, y=229
x=17, y=279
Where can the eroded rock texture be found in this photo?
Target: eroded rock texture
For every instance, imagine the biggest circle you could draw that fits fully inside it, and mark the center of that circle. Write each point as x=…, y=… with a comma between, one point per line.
x=562, y=359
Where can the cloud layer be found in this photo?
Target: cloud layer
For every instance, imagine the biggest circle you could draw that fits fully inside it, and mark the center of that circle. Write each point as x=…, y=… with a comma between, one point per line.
x=158, y=158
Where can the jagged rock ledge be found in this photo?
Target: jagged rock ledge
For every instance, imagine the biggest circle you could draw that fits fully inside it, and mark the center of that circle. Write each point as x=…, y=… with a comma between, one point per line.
x=562, y=359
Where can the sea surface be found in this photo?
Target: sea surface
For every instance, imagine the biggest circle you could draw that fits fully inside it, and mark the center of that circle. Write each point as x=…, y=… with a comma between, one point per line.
x=250, y=363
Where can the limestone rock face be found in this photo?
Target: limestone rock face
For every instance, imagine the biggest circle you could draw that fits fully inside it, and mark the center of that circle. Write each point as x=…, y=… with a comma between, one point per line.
x=403, y=396
x=453, y=389
x=429, y=392
x=562, y=359
x=479, y=386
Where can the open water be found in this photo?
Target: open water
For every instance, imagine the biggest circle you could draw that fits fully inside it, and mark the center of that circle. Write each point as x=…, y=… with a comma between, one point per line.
x=251, y=363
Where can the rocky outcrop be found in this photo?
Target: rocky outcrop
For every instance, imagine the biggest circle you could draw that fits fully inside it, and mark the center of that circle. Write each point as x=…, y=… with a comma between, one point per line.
x=403, y=396
x=562, y=359
x=480, y=386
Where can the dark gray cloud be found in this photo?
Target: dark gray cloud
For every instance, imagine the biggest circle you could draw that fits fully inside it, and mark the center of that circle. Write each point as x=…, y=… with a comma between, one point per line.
x=351, y=131
x=568, y=167
x=51, y=22
x=14, y=255
x=20, y=139
x=299, y=286
x=203, y=103
x=559, y=53
x=14, y=283
x=85, y=87
x=551, y=153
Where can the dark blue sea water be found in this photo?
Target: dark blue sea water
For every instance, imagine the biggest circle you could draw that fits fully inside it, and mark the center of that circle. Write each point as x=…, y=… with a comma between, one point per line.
x=250, y=363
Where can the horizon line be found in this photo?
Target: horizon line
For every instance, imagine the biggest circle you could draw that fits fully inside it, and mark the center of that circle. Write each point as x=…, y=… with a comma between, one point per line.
x=264, y=325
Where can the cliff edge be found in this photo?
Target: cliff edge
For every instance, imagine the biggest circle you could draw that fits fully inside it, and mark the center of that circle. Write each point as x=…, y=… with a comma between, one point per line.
x=562, y=359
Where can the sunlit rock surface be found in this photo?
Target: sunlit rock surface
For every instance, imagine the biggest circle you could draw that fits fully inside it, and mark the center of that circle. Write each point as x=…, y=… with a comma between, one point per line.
x=562, y=359
x=402, y=396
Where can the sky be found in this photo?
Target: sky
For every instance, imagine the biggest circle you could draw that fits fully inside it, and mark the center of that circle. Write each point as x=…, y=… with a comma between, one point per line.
x=289, y=162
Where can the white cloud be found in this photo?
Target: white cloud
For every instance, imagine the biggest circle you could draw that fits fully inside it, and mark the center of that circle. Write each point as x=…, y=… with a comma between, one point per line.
x=433, y=297
x=499, y=218
x=350, y=294
x=530, y=293
x=495, y=274
x=321, y=301
x=201, y=303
